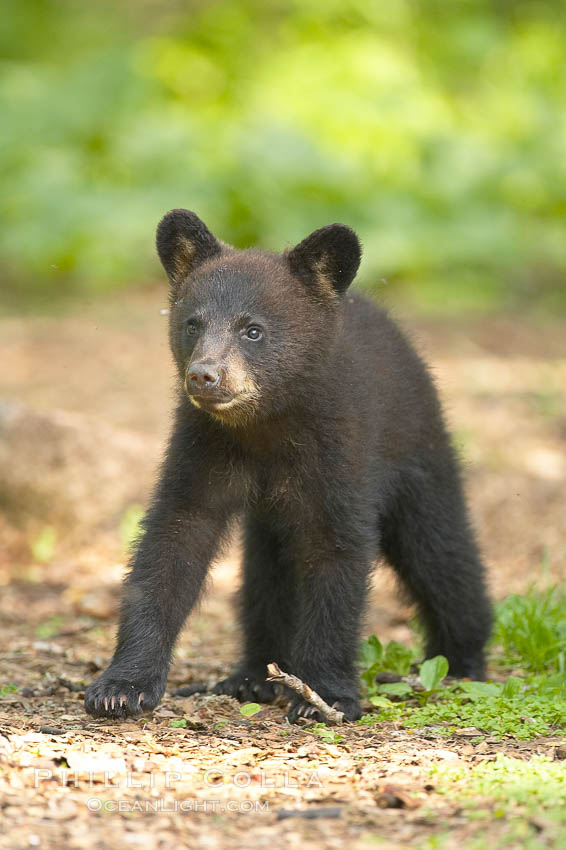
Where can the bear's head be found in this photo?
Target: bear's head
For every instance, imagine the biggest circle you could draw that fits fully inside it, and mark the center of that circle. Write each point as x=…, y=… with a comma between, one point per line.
x=251, y=331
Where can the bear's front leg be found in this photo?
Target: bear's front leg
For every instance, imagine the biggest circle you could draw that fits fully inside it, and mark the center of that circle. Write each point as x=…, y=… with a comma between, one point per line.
x=267, y=605
x=332, y=590
x=168, y=572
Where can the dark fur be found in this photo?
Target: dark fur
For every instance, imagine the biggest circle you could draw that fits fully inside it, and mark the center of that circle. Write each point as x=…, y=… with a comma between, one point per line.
x=340, y=456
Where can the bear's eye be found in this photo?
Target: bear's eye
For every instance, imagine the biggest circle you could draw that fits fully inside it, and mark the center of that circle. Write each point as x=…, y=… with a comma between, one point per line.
x=191, y=327
x=253, y=333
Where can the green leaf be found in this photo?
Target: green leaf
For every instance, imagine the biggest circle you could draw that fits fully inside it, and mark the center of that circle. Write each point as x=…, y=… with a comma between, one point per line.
x=329, y=736
x=432, y=672
x=397, y=658
x=372, y=651
x=380, y=701
x=249, y=709
x=395, y=689
x=368, y=676
x=178, y=724
x=480, y=690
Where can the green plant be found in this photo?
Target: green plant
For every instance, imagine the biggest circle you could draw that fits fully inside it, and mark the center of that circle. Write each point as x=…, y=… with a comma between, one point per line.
x=529, y=636
x=375, y=658
x=178, y=724
x=522, y=708
x=530, y=630
x=249, y=709
x=529, y=784
x=329, y=736
x=506, y=802
x=431, y=673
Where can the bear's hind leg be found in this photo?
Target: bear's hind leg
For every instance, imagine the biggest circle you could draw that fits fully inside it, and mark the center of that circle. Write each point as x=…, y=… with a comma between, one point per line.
x=427, y=539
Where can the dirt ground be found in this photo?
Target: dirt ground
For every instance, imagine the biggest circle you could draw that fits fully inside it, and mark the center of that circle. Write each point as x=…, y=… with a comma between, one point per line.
x=84, y=405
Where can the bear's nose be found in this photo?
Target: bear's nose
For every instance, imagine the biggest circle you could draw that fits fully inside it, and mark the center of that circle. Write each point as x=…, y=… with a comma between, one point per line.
x=203, y=376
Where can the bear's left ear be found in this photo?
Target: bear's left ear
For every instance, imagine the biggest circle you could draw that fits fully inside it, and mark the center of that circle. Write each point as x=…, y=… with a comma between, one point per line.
x=329, y=258
x=183, y=243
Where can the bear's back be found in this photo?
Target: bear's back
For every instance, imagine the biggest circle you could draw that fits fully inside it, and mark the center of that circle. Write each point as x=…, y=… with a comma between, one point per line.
x=388, y=381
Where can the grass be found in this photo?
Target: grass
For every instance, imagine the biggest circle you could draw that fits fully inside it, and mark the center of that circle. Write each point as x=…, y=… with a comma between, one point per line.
x=506, y=802
x=520, y=799
x=512, y=783
x=538, y=708
x=528, y=659
x=531, y=631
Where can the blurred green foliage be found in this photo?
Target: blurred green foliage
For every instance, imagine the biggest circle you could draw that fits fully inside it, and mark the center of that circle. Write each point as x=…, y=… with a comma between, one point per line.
x=44, y=546
x=130, y=526
x=435, y=128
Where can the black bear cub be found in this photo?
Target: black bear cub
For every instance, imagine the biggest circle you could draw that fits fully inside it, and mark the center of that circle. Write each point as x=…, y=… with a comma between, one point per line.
x=303, y=410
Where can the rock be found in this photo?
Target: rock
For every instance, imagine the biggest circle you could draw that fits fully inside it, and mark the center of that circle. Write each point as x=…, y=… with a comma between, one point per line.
x=70, y=470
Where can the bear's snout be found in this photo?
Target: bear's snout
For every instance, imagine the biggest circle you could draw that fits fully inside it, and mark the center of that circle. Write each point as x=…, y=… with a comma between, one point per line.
x=202, y=377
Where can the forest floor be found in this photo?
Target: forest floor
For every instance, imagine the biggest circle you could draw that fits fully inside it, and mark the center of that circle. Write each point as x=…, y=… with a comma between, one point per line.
x=85, y=400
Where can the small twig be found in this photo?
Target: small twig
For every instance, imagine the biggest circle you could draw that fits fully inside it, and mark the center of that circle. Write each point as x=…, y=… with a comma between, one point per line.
x=333, y=717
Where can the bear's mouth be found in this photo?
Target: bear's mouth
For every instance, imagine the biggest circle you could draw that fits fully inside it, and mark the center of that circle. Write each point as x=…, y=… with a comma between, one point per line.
x=212, y=401
x=220, y=403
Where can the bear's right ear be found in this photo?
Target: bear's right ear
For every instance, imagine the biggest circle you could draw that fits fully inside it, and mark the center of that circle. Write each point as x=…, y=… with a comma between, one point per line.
x=183, y=243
